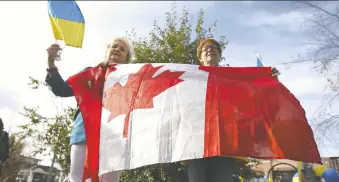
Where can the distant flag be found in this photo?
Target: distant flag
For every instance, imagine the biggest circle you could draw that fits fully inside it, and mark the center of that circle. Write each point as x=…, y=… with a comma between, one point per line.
x=261, y=64
x=259, y=60
x=68, y=23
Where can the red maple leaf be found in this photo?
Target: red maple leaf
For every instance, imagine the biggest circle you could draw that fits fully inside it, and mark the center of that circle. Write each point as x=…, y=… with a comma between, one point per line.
x=138, y=93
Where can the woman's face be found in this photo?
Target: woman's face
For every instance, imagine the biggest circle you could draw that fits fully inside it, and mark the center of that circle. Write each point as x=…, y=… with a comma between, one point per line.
x=210, y=55
x=117, y=52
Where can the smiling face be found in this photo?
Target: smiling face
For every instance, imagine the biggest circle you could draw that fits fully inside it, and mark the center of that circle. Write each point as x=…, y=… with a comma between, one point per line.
x=117, y=52
x=209, y=54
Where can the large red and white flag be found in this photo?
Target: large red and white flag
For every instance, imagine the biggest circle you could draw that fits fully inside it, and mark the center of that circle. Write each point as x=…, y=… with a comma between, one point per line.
x=142, y=114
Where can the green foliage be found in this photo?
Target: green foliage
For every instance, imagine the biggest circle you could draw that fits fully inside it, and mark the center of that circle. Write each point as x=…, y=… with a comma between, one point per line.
x=157, y=173
x=34, y=83
x=175, y=42
x=16, y=147
x=247, y=171
x=49, y=133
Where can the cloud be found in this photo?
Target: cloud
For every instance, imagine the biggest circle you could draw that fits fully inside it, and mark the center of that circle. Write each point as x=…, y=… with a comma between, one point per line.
x=6, y=115
x=7, y=99
x=306, y=86
x=291, y=20
x=247, y=2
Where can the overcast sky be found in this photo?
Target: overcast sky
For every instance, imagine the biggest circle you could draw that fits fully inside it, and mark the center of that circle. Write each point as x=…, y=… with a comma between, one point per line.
x=274, y=29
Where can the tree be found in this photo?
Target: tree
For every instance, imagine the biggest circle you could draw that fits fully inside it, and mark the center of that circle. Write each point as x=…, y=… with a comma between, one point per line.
x=323, y=35
x=49, y=133
x=16, y=147
x=172, y=44
x=247, y=170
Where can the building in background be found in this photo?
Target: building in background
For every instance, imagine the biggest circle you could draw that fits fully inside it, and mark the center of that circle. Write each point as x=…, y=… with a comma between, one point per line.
x=32, y=171
x=284, y=169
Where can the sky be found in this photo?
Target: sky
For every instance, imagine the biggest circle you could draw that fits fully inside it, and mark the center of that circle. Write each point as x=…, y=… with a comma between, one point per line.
x=274, y=29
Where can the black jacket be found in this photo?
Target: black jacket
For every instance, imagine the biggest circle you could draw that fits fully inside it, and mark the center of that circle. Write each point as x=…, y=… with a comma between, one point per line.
x=60, y=87
x=4, y=146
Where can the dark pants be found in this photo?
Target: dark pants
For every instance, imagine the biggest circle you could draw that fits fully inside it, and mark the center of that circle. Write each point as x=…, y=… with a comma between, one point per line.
x=214, y=169
x=1, y=166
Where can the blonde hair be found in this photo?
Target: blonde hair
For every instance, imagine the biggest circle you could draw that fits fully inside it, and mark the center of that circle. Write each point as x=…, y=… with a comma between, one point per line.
x=129, y=45
x=130, y=51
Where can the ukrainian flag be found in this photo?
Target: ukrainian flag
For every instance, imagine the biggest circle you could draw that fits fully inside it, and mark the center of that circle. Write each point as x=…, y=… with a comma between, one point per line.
x=68, y=23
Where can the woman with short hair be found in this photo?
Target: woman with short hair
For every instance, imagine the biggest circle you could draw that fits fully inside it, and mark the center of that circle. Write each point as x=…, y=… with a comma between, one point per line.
x=219, y=168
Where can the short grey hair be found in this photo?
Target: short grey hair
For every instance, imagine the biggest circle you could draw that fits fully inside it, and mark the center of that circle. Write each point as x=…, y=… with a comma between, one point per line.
x=128, y=43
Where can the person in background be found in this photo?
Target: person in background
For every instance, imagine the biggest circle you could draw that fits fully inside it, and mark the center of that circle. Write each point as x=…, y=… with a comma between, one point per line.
x=307, y=173
x=4, y=147
x=119, y=51
x=212, y=169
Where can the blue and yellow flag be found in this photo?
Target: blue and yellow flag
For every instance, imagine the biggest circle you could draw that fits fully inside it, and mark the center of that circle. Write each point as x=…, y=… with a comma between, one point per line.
x=259, y=60
x=68, y=23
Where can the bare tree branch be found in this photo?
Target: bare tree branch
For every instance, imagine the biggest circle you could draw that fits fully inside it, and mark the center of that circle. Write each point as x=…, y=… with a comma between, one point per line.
x=322, y=10
x=323, y=33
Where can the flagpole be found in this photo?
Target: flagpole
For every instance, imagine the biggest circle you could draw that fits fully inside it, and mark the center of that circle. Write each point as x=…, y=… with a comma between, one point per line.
x=271, y=164
x=50, y=170
x=259, y=60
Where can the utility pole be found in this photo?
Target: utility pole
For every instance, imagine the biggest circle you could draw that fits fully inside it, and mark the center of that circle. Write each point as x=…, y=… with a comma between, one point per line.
x=49, y=178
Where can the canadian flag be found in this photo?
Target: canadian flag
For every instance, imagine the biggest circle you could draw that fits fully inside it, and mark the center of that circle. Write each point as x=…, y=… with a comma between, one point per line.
x=142, y=114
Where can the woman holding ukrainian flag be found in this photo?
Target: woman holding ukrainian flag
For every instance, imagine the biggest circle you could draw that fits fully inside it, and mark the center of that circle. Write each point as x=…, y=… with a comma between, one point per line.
x=68, y=25
x=119, y=51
